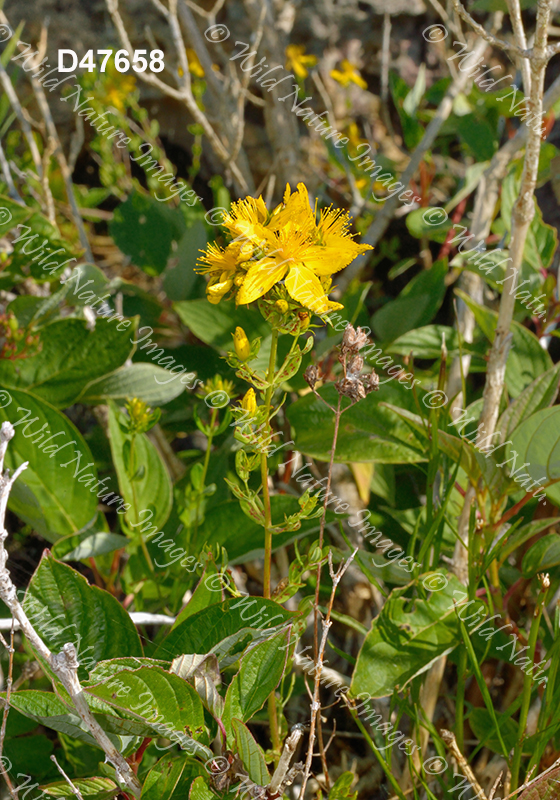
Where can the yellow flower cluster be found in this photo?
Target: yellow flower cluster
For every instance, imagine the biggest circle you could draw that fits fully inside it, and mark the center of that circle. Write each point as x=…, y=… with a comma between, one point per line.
x=298, y=61
x=287, y=244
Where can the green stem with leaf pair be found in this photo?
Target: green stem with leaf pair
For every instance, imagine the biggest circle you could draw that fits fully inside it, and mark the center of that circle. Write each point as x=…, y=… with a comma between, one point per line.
x=264, y=470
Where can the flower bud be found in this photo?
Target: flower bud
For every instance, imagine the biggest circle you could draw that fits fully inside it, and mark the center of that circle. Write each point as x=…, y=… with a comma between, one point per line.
x=249, y=402
x=282, y=306
x=241, y=344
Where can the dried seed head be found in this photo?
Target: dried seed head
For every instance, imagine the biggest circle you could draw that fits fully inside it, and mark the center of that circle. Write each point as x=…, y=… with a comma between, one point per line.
x=353, y=340
x=351, y=387
x=355, y=365
x=371, y=382
x=312, y=374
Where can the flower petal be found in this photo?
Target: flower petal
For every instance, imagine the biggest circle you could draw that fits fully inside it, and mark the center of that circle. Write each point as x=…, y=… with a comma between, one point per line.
x=306, y=288
x=259, y=279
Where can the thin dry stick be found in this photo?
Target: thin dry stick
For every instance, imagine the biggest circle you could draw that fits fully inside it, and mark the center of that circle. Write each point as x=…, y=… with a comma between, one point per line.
x=449, y=739
x=9, y=683
x=48, y=152
x=65, y=663
x=316, y=705
x=290, y=747
x=184, y=94
x=16, y=105
x=7, y=173
x=63, y=164
x=74, y=789
x=522, y=214
x=519, y=32
x=486, y=198
x=384, y=217
x=490, y=38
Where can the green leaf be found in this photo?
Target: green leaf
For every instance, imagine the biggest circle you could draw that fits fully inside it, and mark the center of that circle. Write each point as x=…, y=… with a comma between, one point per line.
x=90, y=788
x=414, y=307
x=153, y=384
x=23, y=263
x=48, y=494
x=47, y=709
x=180, y=278
x=63, y=607
x=200, y=790
x=540, y=393
x=11, y=214
x=368, y=431
x=342, y=787
x=536, y=442
x=426, y=342
x=70, y=357
x=163, y=702
x=107, y=669
x=208, y=591
x=484, y=729
x=225, y=629
x=426, y=222
x=250, y=753
x=478, y=135
x=214, y=324
x=407, y=637
x=545, y=788
x=171, y=778
x=542, y=555
x=95, y=545
x=145, y=230
x=151, y=490
x=261, y=671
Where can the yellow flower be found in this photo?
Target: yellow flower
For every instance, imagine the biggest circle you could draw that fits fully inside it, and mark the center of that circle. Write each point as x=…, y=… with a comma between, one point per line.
x=195, y=67
x=241, y=344
x=297, y=61
x=116, y=87
x=348, y=75
x=287, y=245
x=249, y=402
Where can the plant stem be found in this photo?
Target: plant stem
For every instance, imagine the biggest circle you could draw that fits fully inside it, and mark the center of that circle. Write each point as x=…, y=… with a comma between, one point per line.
x=527, y=684
x=210, y=437
x=264, y=472
x=460, y=702
x=384, y=766
x=272, y=712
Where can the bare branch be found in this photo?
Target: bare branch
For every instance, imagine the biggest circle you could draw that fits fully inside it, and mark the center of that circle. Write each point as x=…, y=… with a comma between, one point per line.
x=73, y=788
x=184, y=94
x=64, y=664
x=490, y=38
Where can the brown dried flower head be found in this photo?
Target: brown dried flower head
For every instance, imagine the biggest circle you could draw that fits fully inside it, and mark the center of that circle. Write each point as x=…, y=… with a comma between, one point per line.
x=311, y=375
x=353, y=340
